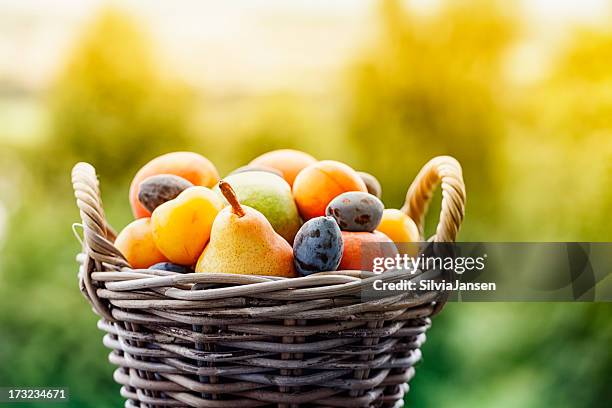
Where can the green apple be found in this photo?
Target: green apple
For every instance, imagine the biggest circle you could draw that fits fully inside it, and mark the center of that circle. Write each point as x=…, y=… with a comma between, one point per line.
x=271, y=196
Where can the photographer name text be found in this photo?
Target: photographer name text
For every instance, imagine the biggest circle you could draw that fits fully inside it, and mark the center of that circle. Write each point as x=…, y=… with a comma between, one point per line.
x=433, y=285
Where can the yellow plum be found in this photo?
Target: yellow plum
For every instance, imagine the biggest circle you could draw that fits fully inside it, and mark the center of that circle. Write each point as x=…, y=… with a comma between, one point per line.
x=181, y=227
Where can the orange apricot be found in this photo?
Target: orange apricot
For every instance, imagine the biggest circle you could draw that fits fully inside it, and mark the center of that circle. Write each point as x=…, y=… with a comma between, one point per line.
x=402, y=230
x=398, y=226
x=136, y=244
x=288, y=161
x=361, y=248
x=318, y=184
x=193, y=167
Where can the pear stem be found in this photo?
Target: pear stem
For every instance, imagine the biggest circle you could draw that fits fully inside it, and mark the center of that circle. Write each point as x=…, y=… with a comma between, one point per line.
x=230, y=196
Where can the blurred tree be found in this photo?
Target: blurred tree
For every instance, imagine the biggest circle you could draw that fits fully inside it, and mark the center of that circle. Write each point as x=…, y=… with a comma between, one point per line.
x=111, y=104
x=564, y=140
x=430, y=85
x=284, y=120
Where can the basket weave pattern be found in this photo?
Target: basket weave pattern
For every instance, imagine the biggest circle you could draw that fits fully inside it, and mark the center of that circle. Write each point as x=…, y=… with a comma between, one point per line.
x=221, y=340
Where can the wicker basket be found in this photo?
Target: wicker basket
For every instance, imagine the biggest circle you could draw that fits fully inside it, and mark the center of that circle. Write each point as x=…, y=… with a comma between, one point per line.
x=220, y=340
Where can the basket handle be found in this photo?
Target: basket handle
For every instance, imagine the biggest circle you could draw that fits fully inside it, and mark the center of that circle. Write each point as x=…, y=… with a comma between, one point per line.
x=100, y=253
x=445, y=171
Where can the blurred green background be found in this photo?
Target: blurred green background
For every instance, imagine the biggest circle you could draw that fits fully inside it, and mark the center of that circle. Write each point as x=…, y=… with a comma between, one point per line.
x=520, y=92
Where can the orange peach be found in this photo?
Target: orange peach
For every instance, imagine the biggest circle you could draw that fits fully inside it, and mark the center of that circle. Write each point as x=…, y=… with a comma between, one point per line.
x=318, y=184
x=136, y=244
x=361, y=248
x=191, y=166
x=288, y=161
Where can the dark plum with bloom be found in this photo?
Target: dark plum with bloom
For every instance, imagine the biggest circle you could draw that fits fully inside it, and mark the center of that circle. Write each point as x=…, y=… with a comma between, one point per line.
x=318, y=246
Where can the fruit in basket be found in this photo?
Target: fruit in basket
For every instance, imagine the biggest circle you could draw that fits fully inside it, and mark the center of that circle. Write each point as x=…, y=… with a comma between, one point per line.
x=158, y=189
x=251, y=167
x=372, y=184
x=398, y=226
x=193, y=167
x=181, y=227
x=361, y=248
x=171, y=267
x=356, y=211
x=318, y=246
x=242, y=241
x=136, y=244
x=271, y=196
x=318, y=184
x=401, y=229
x=288, y=161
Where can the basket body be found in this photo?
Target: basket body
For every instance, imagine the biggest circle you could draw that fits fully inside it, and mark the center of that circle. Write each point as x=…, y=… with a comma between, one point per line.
x=219, y=340
x=247, y=351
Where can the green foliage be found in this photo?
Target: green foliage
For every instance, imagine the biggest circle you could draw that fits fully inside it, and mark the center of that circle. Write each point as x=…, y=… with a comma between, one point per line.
x=430, y=86
x=509, y=354
x=561, y=139
x=112, y=105
x=49, y=336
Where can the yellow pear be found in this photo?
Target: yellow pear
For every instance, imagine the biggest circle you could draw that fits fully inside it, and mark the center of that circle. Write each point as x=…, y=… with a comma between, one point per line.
x=242, y=241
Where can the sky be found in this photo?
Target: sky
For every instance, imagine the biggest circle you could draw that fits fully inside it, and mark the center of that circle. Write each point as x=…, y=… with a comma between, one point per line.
x=243, y=45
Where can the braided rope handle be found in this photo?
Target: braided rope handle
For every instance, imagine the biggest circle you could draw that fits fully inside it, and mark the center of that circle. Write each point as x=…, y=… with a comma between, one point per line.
x=445, y=171
x=100, y=252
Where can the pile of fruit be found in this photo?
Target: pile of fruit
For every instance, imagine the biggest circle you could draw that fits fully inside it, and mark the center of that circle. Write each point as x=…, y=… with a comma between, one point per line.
x=284, y=214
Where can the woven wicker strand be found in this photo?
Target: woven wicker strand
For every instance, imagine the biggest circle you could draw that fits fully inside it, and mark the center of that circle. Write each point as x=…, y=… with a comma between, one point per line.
x=219, y=340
